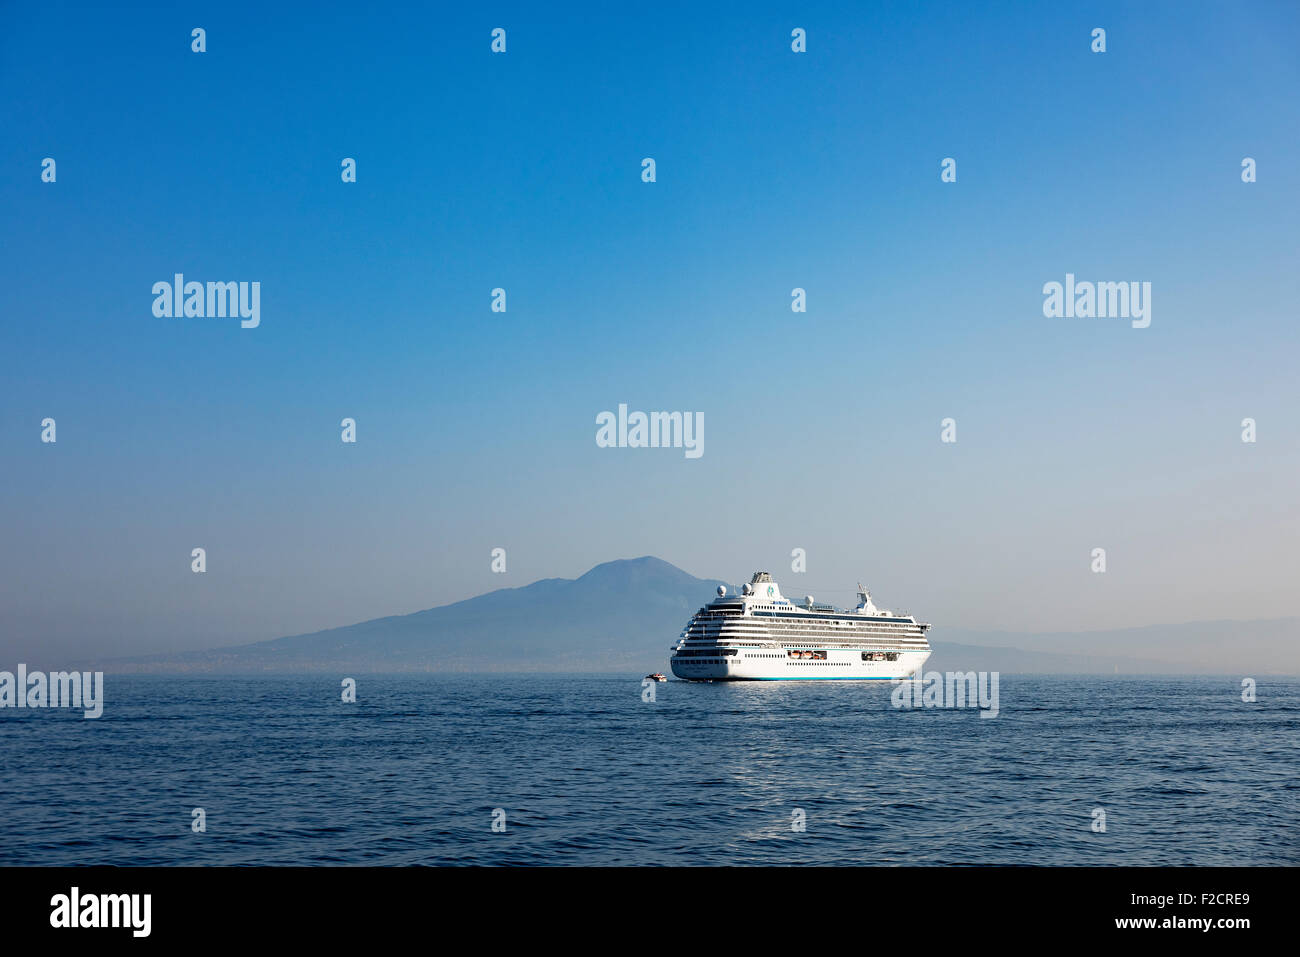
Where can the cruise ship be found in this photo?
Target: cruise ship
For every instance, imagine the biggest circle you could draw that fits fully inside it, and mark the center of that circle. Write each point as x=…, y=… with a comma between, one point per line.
x=759, y=635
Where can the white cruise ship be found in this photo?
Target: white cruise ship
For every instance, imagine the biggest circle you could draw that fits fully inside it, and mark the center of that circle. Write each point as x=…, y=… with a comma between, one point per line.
x=758, y=635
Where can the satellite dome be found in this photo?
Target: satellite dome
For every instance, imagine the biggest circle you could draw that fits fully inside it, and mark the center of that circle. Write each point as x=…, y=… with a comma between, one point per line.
x=747, y=589
x=808, y=599
x=722, y=590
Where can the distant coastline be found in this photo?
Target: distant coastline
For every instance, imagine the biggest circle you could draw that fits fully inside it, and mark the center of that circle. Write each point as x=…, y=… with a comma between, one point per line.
x=588, y=625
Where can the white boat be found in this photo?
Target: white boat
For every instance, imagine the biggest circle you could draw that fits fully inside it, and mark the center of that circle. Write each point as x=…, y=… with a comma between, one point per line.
x=759, y=635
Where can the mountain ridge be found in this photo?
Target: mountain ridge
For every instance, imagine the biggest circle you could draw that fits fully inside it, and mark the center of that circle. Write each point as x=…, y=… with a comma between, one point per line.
x=588, y=623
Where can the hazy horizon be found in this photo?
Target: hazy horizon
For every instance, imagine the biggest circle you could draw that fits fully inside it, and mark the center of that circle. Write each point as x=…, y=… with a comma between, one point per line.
x=631, y=607
x=776, y=170
x=706, y=596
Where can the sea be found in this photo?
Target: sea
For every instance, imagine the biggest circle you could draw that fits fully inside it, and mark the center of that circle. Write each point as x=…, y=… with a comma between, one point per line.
x=606, y=770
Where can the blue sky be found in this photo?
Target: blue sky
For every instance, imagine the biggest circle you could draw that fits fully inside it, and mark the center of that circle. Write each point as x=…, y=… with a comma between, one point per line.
x=774, y=170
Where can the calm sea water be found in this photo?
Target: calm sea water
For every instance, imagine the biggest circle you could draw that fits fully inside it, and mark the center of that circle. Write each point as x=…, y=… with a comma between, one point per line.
x=588, y=773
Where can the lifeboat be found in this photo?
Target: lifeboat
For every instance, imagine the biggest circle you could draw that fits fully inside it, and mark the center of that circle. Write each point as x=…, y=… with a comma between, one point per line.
x=655, y=677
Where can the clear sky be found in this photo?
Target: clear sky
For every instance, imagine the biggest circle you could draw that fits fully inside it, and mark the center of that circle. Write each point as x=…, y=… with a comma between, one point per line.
x=522, y=170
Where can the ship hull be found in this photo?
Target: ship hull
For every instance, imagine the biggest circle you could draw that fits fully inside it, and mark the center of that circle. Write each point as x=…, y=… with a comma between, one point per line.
x=839, y=665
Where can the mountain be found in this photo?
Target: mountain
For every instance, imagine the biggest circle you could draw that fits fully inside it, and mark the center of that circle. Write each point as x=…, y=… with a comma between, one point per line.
x=624, y=615
x=620, y=616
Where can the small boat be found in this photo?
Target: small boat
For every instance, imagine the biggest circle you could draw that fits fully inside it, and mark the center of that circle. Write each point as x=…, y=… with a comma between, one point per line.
x=655, y=677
